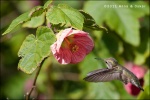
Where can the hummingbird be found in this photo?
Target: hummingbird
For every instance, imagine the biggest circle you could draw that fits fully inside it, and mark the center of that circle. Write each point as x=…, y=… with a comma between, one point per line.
x=114, y=71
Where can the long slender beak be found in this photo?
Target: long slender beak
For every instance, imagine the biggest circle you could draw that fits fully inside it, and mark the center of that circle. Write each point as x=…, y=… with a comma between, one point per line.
x=99, y=59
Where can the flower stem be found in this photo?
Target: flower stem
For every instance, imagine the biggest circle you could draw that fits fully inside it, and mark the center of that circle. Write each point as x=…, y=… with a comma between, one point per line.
x=34, y=82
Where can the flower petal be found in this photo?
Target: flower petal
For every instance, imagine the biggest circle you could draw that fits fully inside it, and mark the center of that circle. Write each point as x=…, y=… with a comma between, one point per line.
x=85, y=41
x=72, y=46
x=63, y=56
x=78, y=55
x=60, y=37
x=53, y=47
x=78, y=32
x=139, y=71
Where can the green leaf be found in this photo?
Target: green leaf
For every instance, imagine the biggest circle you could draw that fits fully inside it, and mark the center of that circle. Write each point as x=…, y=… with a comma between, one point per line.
x=140, y=11
x=101, y=48
x=125, y=25
x=65, y=15
x=113, y=44
x=35, y=49
x=90, y=23
x=36, y=11
x=47, y=4
x=22, y=18
x=121, y=20
x=142, y=51
x=35, y=21
x=37, y=15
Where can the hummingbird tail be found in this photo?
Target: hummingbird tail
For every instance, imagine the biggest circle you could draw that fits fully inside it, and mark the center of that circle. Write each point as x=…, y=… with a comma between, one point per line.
x=137, y=84
x=141, y=88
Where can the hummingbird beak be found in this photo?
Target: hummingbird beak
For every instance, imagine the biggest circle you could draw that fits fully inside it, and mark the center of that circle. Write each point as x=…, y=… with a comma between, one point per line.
x=99, y=59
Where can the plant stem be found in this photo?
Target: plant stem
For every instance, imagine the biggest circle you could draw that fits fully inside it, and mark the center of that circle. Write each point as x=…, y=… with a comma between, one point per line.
x=34, y=82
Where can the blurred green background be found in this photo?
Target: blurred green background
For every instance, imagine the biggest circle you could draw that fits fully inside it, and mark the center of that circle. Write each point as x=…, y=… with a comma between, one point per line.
x=127, y=40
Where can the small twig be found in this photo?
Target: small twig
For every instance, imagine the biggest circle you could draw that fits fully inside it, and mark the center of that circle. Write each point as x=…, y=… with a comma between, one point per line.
x=34, y=82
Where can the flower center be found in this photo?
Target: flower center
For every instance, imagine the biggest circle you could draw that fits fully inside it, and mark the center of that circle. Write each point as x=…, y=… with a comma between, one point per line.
x=73, y=47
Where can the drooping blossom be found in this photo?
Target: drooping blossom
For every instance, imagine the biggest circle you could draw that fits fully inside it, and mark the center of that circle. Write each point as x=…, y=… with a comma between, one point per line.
x=71, y=46
x=139, y=71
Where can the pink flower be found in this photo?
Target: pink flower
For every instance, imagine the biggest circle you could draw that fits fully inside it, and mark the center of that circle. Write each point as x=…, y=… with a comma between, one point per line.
x=71, y=46
x=139, y=71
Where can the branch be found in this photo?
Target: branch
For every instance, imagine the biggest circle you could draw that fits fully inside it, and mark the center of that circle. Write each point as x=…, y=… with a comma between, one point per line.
x=34, y=82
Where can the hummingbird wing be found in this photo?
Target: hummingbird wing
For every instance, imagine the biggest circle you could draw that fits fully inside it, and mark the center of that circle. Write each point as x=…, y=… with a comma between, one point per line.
x=103, y=75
